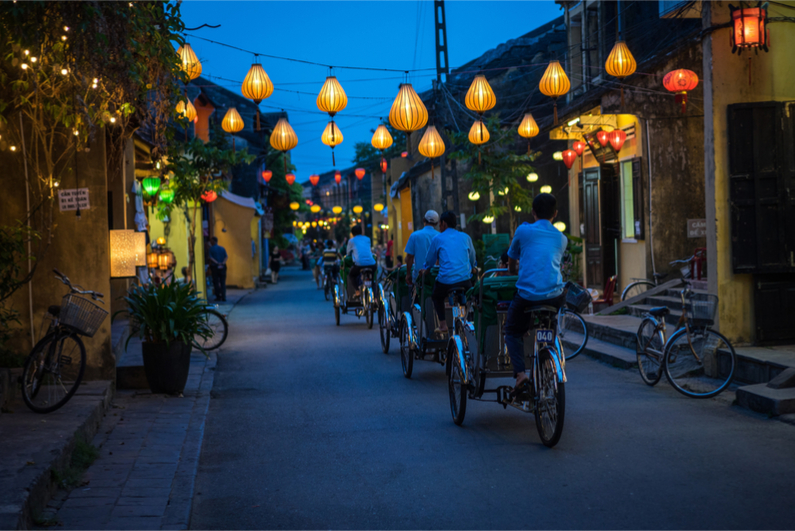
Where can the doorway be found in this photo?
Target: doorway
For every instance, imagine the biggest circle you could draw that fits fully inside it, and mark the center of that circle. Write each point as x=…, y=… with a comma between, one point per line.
x=602, y=215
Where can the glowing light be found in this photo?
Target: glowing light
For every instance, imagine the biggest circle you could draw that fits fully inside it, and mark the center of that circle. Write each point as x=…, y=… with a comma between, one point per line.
x=532, y=177
x=546, y=189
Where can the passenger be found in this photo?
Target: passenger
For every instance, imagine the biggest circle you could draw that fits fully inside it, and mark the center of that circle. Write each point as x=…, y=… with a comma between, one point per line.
x=419, y=243
x=358, y=249
x=538, y=249
x=457, y=263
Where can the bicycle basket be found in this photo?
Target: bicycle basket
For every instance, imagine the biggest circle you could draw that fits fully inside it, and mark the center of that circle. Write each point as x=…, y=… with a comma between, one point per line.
x=577, y=297
x=702, y=309
x=81, y=314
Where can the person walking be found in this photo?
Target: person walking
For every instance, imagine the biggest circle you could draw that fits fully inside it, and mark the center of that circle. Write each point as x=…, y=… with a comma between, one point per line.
x=218, y=258
x=275, y=264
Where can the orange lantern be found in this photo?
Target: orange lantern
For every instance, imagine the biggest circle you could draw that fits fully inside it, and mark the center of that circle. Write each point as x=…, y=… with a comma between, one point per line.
x=569, y=156
x=749, y=28
x=266, y=175
x=332, y=98
x=332, y=136
x=283, y=139
x=680, y=81
x=480, y=97
x=189, y=63
x=232, y=123
x=187, y=110
x=617, y=138
x=620, y=63
x=290, y=178
x=360, y=173
x=528, y=128
x=209, y=196
x=602, y=137
x=408, y=113
x=383, y=165
x=554, y=83
x=579, y=147
x=337, y=177
x=478, y=134
x=382, y=139
x=314, y=179
x=257, y=86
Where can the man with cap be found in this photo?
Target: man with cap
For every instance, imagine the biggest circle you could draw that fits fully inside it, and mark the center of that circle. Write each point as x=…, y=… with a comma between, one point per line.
x=418, y=244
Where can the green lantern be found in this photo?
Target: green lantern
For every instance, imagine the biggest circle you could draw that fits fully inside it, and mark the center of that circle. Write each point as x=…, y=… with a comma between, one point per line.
x=166, y=195
x=151, y=185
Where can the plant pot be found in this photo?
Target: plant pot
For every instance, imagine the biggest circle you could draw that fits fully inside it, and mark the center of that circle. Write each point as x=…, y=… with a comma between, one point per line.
x=166, y=367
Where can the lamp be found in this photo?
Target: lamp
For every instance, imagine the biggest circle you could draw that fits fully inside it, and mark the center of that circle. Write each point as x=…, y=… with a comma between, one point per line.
x=480, y=97
x=558, y=155
x=357, y=209
x=517, y=208
x=431, y=145
x=332, y=136
x=189, y=63
x=332, y=98
x=290, y=178
x=488, y=219
x=569, y=156
x=314, y=224
x=314, y=179
x=382, y=138
x=315, y=209
x=124, y=253
x=257, y=86
x=680, y=81
x=337, y=177
x=295, y=205
x=378, y=207
x=603, y=138
x=151, y=185
x=749, y=28
x=161, y=241
x=166, y=195
x=579, y=147
x=163, y=261
x=559, y=225
x=151, y=260
x=187, y=110
x=554, y=83
x=232, y=123
x=383, y=165
x=532, y=177
x=546, y=189
x=209, y=196
x=283, y=139
x=620, y=63
x=360, y=173
x=408, y=113
x=617, y=138
x=528, y=128
x=337, y=210
x=266, y=175
x=478, y=133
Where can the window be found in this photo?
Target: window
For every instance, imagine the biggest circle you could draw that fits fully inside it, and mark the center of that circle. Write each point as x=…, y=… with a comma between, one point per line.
x=631, y=200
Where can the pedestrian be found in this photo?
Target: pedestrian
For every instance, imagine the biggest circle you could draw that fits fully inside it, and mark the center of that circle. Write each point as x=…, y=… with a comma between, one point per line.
x=218, y=258
x=390, y=258
x=275, y=264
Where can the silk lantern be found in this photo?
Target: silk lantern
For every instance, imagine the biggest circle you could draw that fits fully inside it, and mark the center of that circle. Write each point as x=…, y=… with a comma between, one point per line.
x=579, y=147
x=314, y=179
x=532, y=177
x=528, y=129
x=408, y=113
x=315, y=209
x=378, y=207
x=431, y=145
x=283, y=139
x=266, y=175
x=357, y=209
x=480, y=97
x=189, y=63
x=602, y=137
x=332, y=136
x=257, y=86
x=332, y=98
x=290, y=178
x=382, y=139
x=680, y=81
x=554, y=83
x=337, y=177
x=360, y=173
x=478, y=133
x=209, y=196
x=569, y=156
x=383, y=165
x=616, y=139
x=620, y=63
x=151, y=185
x=473, y=196
x=749, y=28
x=546, y=189
x=295, y=205
x=337, y=210
x=187, y=110
x=232, y=123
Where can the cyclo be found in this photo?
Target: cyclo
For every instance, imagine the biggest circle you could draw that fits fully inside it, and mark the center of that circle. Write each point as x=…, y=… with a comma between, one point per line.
x=417, y=327
x=366, y=305
x=394, y=298
x=477, y=354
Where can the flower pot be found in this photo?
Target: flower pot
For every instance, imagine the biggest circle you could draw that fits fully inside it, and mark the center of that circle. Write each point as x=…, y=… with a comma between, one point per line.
x=166, y=367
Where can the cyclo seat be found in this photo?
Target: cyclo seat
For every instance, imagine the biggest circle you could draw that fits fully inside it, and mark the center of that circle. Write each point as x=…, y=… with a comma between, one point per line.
x=541, y=308
x=660, y=311
x=54, y=310
x=660, y=276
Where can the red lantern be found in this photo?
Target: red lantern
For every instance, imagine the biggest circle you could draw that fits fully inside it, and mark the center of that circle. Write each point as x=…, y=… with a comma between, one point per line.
x=290, y=178
x=267, y=174
x=579, y=147
x=360, y=173
x=617, y=139
x=314, y=179
x=337, y=177
x=569, y=156
x=383, y=165
x=601, y=136
x=750, y=30
x=680, y=81
x=209, y=196
x=404, y=154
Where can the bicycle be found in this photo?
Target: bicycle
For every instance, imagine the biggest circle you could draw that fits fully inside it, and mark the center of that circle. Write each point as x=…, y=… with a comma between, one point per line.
x=698, y=361
x=215, y=321
x=640, y=286
x=55, y=367
x=571, y=327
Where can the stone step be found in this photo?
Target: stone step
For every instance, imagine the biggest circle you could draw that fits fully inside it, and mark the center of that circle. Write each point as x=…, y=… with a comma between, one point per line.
x=618, y=330
x=639, y=310
x=760, y=365
x=621, y=357
x=762, y=399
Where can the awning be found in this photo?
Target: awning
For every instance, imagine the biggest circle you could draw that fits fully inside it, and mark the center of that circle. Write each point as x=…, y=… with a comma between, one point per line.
x=245, y=202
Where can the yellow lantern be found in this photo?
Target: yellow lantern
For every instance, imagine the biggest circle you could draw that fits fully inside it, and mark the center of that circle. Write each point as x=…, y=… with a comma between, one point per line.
x=257, y=86
x=151, y=260
x=431, y=145
x=378, y=207
x=357, y=209
x=408, y=113
x=382, y=139
x=295, y=223
x=532, y=177
x=488, y=219
x=314, y=224
x=283, y=138
x=620, y=63
x=332, y=136
x=232, y=123
x=546, y=189
x=517, y=208
x=187, y=110
x=478, y=134
x=528, y=128
x=189, y=63
x=473, y=196
x=161, y=241
x=332, y=98
x=554, y=83
x=560, y=226
x=480, y=97
x=337, y=210
x=294, y=205
x=315, y=209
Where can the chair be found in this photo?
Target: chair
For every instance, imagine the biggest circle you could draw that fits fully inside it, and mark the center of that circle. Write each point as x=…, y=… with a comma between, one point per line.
x=607, y=295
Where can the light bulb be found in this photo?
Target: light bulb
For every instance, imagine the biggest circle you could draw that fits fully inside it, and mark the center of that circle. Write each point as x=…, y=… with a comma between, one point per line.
x=66, y=28
x=13, y=148
x=27, y=52
x=64, y=71
x=32, y=59
x=76, y=132
x=113, y=119
x=56, y=184
x=63, y=37
x=24, y=66
x=532, y=177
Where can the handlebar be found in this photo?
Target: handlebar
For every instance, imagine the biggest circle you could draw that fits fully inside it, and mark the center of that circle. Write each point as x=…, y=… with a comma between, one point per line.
x=78, y=289
x=685, y=261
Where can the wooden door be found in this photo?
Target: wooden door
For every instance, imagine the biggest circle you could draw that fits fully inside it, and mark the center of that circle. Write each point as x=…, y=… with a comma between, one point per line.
x=593, y=240
x=610, y=204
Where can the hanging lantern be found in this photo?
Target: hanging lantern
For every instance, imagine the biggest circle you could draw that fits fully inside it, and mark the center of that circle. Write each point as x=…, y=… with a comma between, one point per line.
x=431, y=145
x=504, y=191
x=559, y=225
x=290, y=178
x=232, y=123
x=579, y=147
x=166, y=195
x=382, y=139
x=187, y=110
x=488, y=219
x=209, y=196
x=295, y=205
x=332, y=136
x=617, y=138
x=163, y=261
x=151, y=185
x=603, y=138
x=680, y=81
x=532, y=177
x=478, y=133
x=266, y=175
x=161, y=241
x=314, y=179
x=528, y=129
x=383, y=165
x=408, y=113
x=378, y=207
x=357, y=209
x=337, y=177
x=620, y=63
x=332, y=98
x=315, y=209
x=127, y=250
x=480, y=97
x=558, y=155
x=473, y=196
x=283, y=139
x=569, y=156
x=554, y=83
x=257, y=86
x=360, y=173
x=314, y=224
x=151, y=260
x=546, y=189
x=189, y=63
x=517, y=208
x=749, y=28
x=337, y=210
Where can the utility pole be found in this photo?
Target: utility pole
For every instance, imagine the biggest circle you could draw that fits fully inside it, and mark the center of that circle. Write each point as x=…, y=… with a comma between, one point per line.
x=443, y=67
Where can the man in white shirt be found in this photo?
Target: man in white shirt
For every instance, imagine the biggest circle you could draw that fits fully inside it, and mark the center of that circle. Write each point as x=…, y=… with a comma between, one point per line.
x=360, y=251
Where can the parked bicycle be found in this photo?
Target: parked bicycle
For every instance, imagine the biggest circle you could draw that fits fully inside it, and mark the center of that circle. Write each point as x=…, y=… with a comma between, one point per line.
x=216, y=321
x=642, y=285
x=698, y=361
x=571, y=327
x=55, y=366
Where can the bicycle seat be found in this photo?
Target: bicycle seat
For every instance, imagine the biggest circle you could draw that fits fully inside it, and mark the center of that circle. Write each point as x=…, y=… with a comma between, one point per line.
x=54, y=310
x=660, y=311
x=541, y=308
x=660, y=276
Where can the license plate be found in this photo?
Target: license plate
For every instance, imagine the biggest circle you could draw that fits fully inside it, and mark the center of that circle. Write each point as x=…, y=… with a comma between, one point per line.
x=545, y=336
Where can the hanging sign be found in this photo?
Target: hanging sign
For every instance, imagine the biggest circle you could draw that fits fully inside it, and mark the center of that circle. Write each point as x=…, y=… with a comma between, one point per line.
x=696, y=228
x=69, y=199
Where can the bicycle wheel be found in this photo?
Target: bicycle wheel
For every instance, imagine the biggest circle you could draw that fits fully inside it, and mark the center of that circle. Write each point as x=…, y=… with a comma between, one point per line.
x=699, y=364
x=219, y=326
x=327, y=289
x=53, y=371
x=572, y=330
x=636, y=288
x=367, y=297
x=456, y=388
x=383, y=330
x=550, y=406
x=651, y=344
x=406, y=354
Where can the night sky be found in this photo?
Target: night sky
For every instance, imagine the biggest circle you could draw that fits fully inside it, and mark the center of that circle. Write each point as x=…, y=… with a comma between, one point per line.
x=388, y=34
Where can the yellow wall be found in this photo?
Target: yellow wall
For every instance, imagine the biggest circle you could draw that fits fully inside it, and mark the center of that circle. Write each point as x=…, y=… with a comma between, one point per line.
x=236, y=239
x=407, y=220
x=176, y=234
x=772, y=78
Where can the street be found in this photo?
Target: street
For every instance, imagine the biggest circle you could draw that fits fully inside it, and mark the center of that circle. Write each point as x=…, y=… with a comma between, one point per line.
x=310, y=425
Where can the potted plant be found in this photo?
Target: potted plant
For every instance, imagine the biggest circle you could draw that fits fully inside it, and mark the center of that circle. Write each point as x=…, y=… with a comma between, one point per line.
x=167, y=317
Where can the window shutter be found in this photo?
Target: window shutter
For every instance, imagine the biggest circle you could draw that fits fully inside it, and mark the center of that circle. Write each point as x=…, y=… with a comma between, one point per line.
x=637, y=199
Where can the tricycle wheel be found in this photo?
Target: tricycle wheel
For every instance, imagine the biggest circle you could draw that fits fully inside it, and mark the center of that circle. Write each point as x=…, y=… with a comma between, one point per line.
x=384, y=331
x=406, y=354
x=550, y=404
x=457, y=388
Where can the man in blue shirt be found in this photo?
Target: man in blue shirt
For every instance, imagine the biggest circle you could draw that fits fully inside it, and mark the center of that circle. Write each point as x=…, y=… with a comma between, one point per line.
x=218, y=258
x=419, y=243
x=457, y=263
x=360, y=250
x=538, y=248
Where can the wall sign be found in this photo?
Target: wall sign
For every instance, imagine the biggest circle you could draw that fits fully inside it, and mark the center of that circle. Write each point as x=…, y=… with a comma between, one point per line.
x=696, y=228
x=69, y=199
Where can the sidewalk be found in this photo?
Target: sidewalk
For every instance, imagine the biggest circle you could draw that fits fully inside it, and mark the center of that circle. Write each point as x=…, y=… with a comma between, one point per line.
x=149, y=447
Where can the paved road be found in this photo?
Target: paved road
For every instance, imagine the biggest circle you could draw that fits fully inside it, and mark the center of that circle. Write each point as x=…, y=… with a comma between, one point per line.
x=311, y=426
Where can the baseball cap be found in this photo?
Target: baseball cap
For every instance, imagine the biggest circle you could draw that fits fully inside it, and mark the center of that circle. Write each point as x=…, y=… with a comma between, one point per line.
x=432, y=216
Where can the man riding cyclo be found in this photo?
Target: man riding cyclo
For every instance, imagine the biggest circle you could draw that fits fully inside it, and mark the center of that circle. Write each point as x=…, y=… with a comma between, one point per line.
x=331, y=258
x=418, y=245
x=360, y=251
x=535, y=255
x=454, y=252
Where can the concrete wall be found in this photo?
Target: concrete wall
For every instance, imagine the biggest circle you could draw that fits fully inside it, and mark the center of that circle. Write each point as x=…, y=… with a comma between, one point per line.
x=732, y=79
